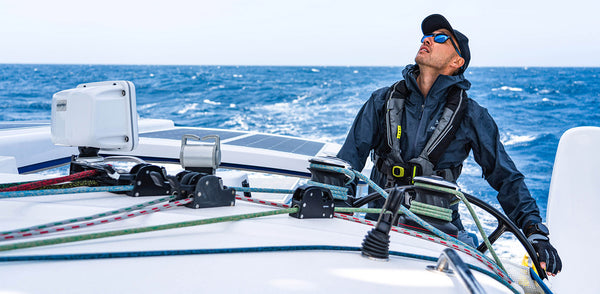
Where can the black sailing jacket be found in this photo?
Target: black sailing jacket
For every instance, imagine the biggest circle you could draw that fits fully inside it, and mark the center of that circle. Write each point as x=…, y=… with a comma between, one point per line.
x=478, y=132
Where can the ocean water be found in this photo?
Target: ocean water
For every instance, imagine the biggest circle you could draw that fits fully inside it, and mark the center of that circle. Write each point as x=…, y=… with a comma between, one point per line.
x=532, y=106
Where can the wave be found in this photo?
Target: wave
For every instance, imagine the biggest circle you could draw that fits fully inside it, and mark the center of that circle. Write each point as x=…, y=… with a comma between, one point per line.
x=207, y=101
x=507, y=88
x=511, y=139
x=187, y=108
x=547, y=91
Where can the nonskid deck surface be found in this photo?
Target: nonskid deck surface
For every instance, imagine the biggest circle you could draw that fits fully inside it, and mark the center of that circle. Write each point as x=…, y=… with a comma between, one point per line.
x=284, y=271
x=274, y=271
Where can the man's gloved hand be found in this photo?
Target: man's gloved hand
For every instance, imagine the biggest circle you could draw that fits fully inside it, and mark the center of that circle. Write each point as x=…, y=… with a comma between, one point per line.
x=548, y=256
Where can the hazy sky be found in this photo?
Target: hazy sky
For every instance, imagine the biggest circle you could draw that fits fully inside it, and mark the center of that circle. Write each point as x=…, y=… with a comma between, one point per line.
x=293, y=32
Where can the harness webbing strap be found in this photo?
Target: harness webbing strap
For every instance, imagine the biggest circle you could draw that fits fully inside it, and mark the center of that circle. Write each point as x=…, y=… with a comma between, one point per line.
x=452, y=116
x=391, y=160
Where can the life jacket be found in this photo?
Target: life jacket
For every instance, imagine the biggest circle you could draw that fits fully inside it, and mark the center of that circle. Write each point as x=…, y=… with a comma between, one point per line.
x=388, y=157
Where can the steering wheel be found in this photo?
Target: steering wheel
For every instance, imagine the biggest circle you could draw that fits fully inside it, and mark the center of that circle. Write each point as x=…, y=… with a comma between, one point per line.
x=505, y=225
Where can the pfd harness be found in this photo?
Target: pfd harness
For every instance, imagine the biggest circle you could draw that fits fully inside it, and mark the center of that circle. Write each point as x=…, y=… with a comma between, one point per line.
x=388, y=157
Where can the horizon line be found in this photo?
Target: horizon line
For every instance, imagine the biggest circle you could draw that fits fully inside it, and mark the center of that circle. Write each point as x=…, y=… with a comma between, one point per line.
x=287, y=65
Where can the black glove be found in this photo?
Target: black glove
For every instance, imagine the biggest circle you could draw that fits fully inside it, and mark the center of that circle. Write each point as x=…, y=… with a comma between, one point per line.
x=548, y=256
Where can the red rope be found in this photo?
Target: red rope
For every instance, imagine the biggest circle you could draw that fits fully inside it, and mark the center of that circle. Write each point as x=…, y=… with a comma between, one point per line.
x=48, y=182
x=18, y=235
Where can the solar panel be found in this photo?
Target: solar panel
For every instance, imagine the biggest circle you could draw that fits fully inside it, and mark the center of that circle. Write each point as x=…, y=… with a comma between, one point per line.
x=291, y=145
x=176, y=134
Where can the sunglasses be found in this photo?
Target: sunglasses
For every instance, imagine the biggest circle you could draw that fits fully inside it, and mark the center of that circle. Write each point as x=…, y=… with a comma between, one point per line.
x=441, y=38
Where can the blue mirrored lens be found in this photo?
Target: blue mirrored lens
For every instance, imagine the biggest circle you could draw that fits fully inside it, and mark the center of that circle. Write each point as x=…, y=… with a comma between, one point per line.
x=441, y=38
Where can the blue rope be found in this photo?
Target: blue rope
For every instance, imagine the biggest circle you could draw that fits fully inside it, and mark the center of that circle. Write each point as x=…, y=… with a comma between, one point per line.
x=130, y=254
x=539, y=281
x=336, y=191
x=30, y=193
x=263, y=190
x=340, y=193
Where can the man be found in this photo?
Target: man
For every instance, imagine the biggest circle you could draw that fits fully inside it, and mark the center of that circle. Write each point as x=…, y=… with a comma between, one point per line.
x=426, y=125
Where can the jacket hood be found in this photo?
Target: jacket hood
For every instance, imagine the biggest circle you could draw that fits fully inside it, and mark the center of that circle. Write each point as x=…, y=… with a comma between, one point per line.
x=440, y=86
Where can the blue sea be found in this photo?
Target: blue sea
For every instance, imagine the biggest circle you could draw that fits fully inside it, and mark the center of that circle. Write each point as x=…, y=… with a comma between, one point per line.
x=532, y=106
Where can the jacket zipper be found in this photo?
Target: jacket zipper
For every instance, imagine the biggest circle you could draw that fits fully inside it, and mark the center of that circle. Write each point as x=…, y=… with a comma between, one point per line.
x=420, y=126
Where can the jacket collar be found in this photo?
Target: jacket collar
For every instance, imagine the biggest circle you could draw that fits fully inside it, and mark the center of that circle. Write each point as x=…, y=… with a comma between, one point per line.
x=440, y=87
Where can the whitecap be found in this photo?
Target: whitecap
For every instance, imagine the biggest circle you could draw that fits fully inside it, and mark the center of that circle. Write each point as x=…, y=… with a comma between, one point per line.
x=232, y=105
x=507, y=88
x=193, y=77
x=187, y=108
x=314, y=70
x=238, y=76
x=151, y=75
x=516, y=139
x=545, y=91
x=146, y=106
x=545, y=99
x=211, y=102
x=238, y=121
x=277, y=107
x=300, y=98
x=578, y=83
x=356, y=71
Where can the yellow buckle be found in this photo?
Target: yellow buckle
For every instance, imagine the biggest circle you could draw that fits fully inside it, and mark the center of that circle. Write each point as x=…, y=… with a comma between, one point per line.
x=397, y=171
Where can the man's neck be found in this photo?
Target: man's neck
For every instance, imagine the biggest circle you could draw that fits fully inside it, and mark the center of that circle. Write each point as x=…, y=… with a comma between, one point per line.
x=426, y=78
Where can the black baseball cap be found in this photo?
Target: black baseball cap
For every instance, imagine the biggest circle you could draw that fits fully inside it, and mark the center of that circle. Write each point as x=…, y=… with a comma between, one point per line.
x=437, y=21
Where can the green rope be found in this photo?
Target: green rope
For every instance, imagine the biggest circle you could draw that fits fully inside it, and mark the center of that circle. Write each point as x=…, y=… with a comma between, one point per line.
x=473, y=214
x=430, y=207
x=355, y=209
x=430, y=214
x=73, y=184
x=54, y=192
x=8, y=185
x=69, y=239
x=431, y=210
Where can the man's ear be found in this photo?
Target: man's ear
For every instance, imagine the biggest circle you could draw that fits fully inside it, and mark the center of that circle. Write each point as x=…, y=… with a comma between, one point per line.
x=458, y=62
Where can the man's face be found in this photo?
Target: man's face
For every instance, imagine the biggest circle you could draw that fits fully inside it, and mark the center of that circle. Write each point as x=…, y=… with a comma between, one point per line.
x=436, y=55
